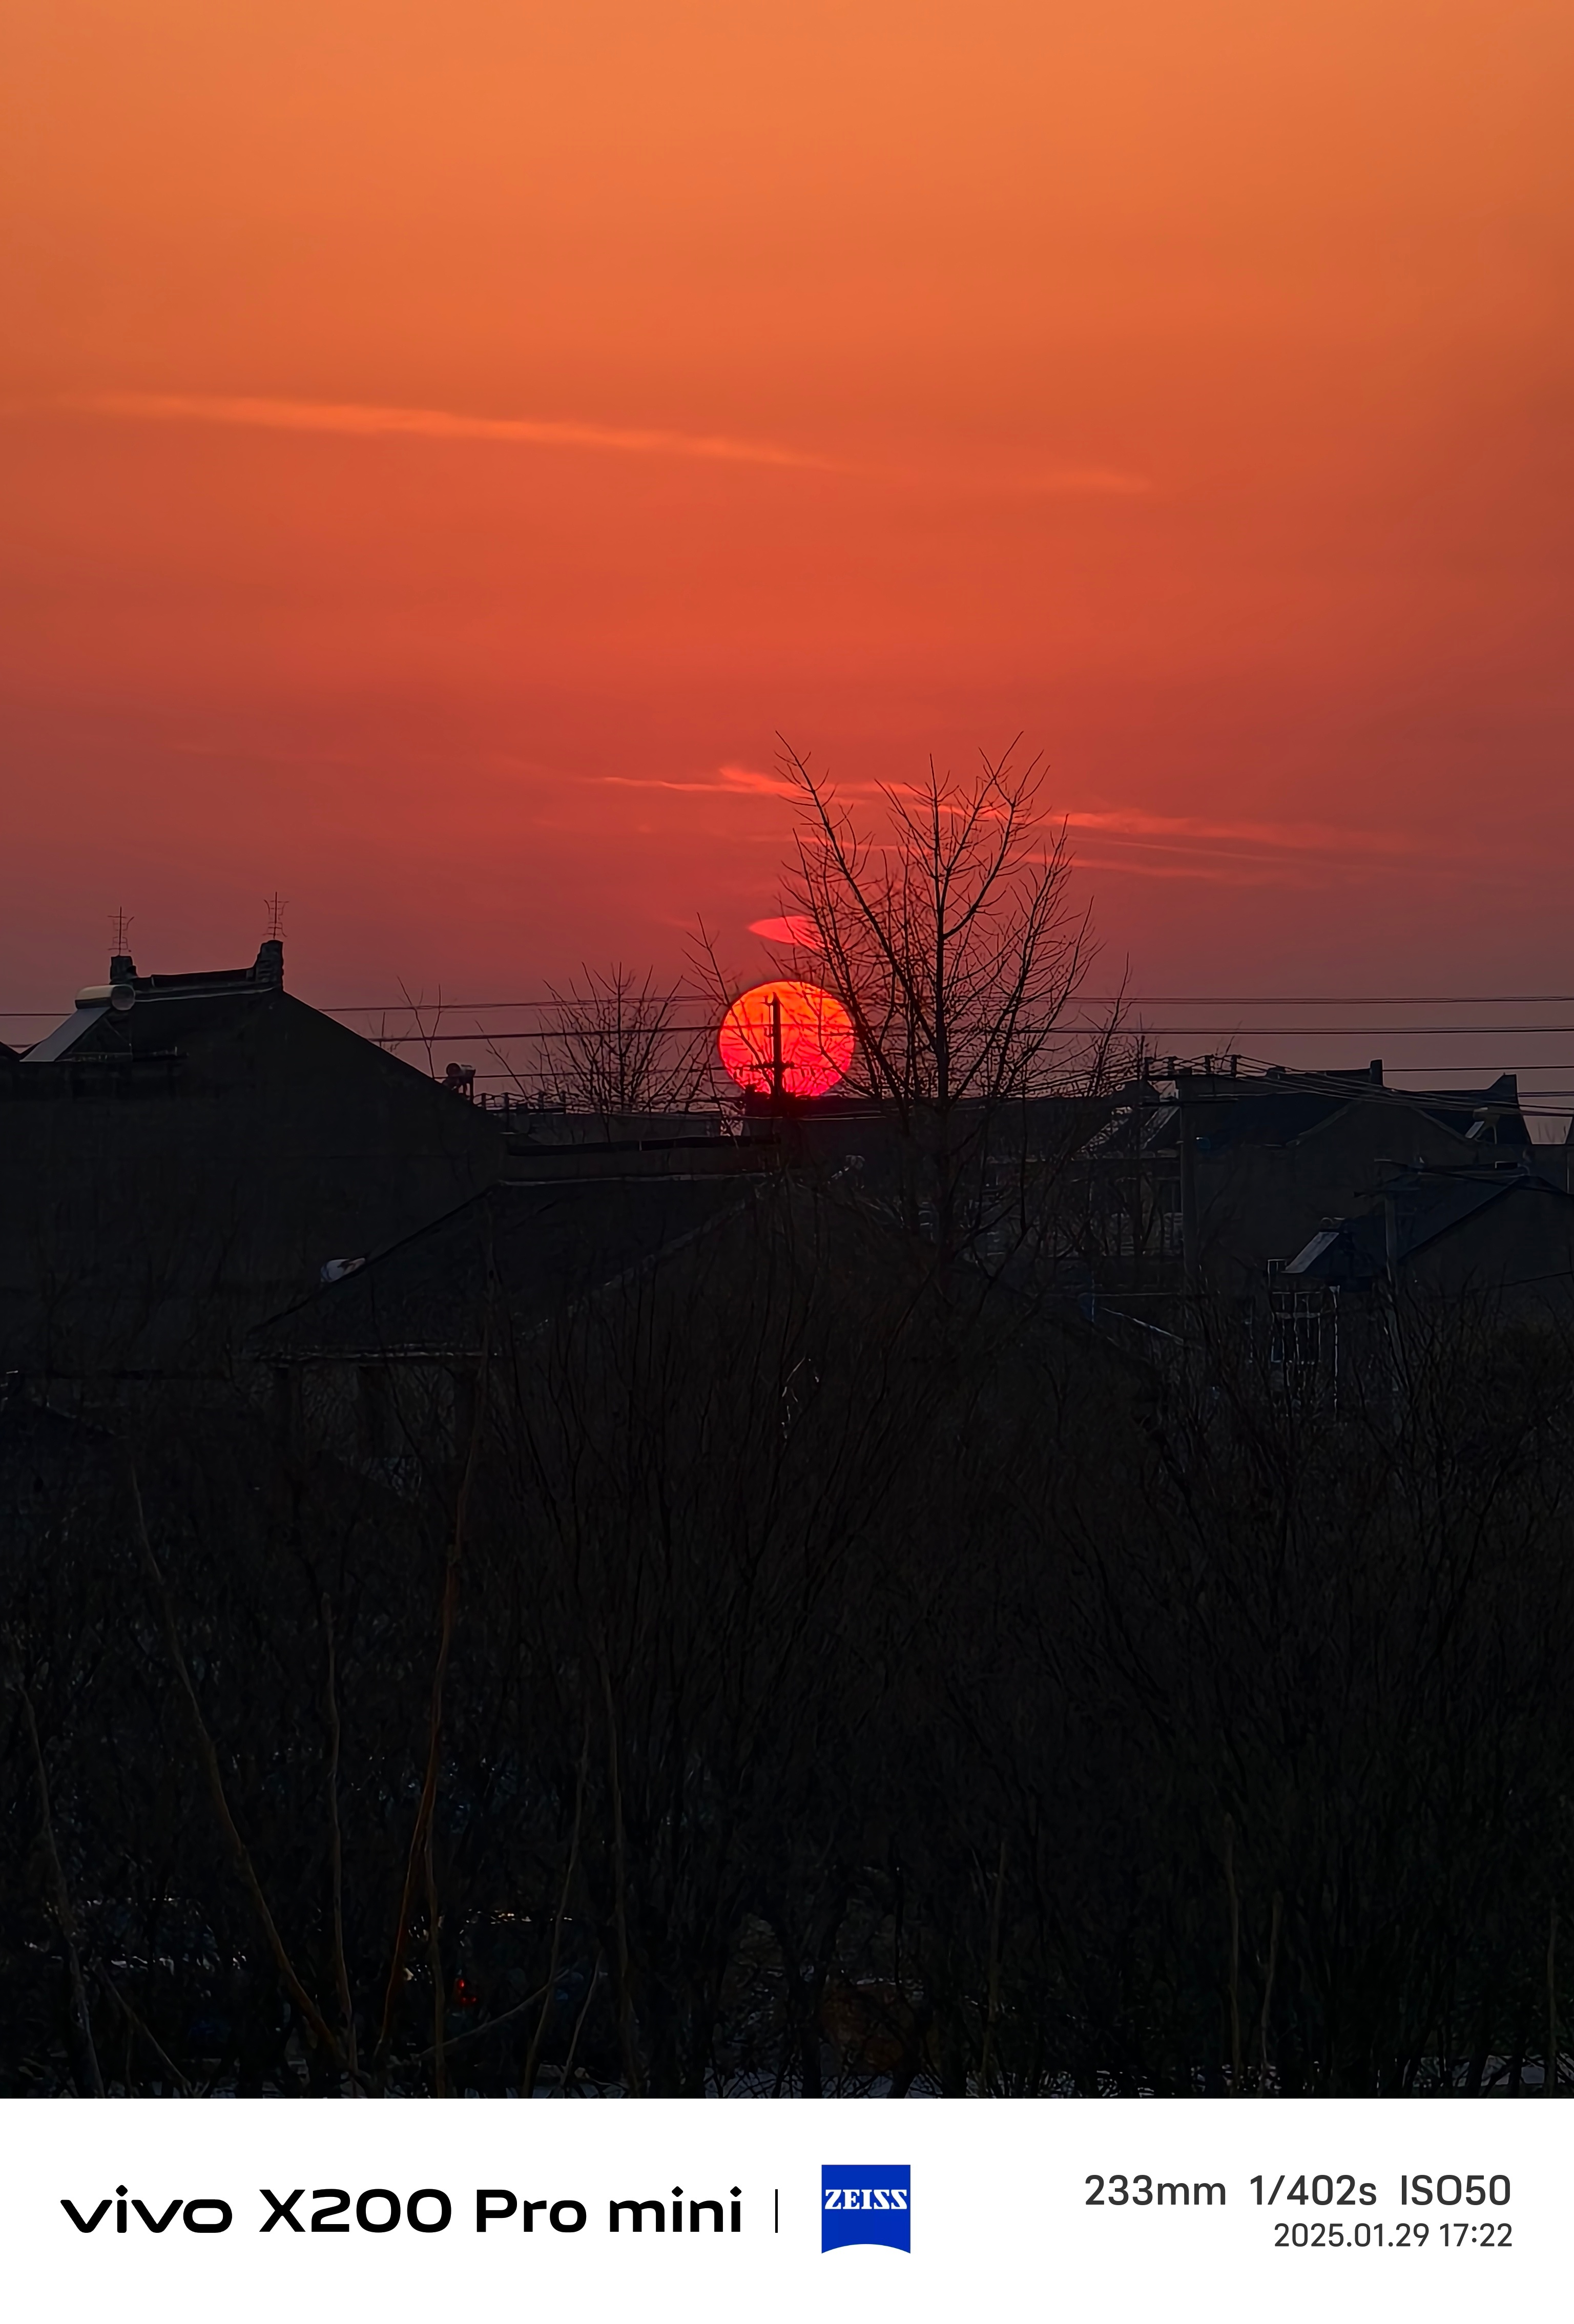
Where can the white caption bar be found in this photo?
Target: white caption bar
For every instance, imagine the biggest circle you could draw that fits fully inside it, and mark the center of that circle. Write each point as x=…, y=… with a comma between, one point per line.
x=252, y=2210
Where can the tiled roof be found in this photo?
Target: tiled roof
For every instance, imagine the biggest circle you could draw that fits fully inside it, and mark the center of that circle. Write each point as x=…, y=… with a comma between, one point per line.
x=523, y=1252
x=1427, y=1205
x=1276, y=1110
x=133, y=1015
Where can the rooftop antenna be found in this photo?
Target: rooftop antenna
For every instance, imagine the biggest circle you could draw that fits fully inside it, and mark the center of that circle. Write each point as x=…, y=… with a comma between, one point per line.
x=120, y=964
x=275, y=905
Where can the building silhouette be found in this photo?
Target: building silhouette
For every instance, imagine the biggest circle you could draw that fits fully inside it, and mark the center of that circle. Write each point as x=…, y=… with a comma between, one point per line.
x=184, y=1155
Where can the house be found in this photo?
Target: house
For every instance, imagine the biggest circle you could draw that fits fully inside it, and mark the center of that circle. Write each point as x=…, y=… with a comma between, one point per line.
x=1262, y=1159
x=184, y=1155
x=1500, y=1232
x=499, y=1267
x=1493, y=1243
x=387, y=1358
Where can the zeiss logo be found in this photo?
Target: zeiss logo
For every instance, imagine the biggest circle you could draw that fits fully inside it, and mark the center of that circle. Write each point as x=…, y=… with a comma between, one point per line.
x=866, y=2203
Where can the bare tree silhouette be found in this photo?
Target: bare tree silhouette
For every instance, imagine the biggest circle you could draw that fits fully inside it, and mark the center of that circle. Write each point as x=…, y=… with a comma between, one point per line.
x=955, y=947
x=617, y=1047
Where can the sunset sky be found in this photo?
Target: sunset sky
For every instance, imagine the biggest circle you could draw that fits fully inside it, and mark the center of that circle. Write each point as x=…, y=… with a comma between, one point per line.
x=441, y=444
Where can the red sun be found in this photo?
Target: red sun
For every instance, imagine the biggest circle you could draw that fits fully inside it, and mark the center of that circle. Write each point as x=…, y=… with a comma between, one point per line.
x=786, y=1039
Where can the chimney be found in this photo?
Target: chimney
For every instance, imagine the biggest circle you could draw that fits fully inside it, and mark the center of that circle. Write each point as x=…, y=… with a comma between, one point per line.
x=270, y=967
x=1375, y=1071
x=122, y=968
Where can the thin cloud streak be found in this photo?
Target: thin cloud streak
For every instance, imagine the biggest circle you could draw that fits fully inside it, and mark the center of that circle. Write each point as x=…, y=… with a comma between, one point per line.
x=734, y=782
x=289, y=416
x=387, y=420
x=1141, y=829
x=794, y=928
x=1223, y=871
x=1152, y=846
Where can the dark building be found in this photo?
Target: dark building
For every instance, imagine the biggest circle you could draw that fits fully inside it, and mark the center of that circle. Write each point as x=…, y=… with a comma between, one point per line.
x=1249, y=1166
x=501, y=1267
x=1496, y=1235
x=1309, y=1201
x=1497, y=1240
x=386, y=1360
x=1502, y=1233
x=590, y=1145
x=184, y=1155
x=1219, y=1177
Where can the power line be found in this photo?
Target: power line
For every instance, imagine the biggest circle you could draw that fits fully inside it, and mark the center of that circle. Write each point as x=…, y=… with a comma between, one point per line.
x=1086, y=1000
x=1170, y=1032
x=589, y=1033
x=1333, y=1032
x=1082, y=999
x=1326, y=999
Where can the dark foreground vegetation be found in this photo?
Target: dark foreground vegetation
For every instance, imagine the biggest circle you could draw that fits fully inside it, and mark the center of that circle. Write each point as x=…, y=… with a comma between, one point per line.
x=803, y=1669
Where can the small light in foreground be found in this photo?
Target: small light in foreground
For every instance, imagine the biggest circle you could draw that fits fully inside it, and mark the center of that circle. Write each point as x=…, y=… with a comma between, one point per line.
x=786, y=1039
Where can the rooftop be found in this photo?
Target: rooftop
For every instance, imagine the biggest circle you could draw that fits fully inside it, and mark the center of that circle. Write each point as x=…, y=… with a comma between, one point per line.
x=518, y=1253
x=1275, y=1107
x=1426, y=1204
x=112, y=1019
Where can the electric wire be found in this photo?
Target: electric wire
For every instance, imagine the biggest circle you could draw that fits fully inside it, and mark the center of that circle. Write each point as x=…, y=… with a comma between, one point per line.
x=1535, y=1100
x=1084, y=1000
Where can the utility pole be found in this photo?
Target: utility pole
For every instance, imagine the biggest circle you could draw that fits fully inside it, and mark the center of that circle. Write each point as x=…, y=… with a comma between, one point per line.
x=778, y=1069
x=1189, y=1254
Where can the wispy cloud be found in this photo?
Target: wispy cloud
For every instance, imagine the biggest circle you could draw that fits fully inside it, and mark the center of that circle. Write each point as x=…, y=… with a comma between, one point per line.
x=1132, y=840
x=1216, y=868
x=294, y=416
x=388, y=419
x=727, y=782
x=763, y=785
x=794, y=928
x=1184, y=840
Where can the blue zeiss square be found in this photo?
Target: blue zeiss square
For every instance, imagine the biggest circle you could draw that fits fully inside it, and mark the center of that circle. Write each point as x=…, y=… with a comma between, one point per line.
x=866, y=2203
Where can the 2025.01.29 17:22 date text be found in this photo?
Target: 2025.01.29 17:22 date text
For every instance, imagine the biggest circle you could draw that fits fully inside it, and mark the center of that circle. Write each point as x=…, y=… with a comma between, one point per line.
x=1392, y=2235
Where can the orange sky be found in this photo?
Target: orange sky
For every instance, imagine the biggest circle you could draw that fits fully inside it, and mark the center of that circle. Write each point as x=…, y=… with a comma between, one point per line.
x=438, y=441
